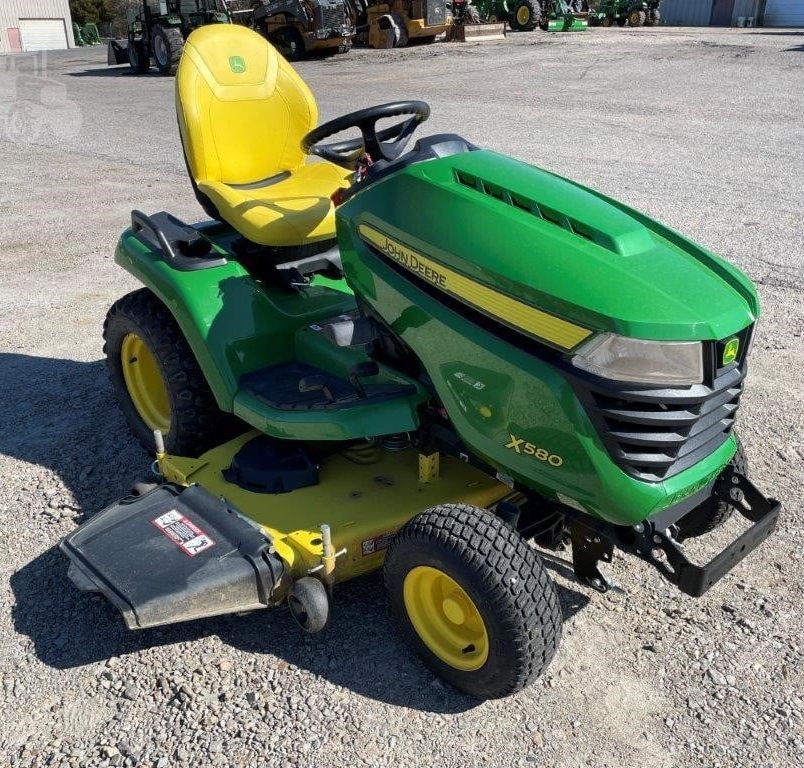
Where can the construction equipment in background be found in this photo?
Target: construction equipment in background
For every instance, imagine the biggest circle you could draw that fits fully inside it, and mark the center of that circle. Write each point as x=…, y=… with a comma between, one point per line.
x=299, y=28
x=525, y=15
x=158, y=28
x=393, y=24
x=635, y=13
x=91, y=34
x=562, y=16
x=521, y=15
x=469, y=26
x=77, y=36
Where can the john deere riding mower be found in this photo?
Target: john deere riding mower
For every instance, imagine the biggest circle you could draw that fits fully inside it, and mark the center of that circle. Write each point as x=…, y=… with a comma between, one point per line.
x=158, y=30
x=421, y=361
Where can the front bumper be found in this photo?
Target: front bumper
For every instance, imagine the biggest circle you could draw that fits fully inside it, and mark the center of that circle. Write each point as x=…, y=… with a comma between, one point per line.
x=593, y=542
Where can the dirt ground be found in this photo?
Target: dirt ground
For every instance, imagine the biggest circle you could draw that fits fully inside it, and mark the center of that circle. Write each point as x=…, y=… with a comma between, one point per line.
x=699, y=128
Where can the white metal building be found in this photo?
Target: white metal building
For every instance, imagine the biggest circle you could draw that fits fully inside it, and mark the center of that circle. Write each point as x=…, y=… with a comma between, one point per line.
x=35, y=25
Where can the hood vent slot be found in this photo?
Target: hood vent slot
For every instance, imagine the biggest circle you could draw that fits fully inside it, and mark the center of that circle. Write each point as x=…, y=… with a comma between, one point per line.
x=535, y=209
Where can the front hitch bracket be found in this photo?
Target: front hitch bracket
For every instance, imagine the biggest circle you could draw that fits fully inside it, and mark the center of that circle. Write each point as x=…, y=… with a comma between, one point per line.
x=593, y=540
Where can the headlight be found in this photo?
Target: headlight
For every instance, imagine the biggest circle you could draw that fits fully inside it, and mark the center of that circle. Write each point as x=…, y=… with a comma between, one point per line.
x=647, y=362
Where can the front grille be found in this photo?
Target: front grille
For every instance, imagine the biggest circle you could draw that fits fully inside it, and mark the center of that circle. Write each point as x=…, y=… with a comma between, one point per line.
x=653, y=434
x=330, y=17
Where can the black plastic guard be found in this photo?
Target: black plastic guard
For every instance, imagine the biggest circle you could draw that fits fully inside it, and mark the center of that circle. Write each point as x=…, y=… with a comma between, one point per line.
x=172, y=555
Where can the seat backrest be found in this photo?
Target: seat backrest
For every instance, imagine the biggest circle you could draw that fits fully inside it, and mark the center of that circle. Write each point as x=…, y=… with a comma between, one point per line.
x=242, y=108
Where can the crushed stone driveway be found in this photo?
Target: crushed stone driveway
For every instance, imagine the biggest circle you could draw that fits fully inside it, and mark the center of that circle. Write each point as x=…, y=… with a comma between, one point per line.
x=701, y=128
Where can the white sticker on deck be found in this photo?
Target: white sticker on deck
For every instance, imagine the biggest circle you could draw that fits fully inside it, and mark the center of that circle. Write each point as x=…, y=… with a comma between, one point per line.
x=184, y=532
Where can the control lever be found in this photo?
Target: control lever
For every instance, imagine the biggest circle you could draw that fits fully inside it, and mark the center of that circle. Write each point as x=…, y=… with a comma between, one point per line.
x=362, y=370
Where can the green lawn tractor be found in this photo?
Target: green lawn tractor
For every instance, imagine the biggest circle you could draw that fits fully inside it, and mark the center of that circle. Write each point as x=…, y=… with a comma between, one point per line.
x=422, y=361
x=158, y=29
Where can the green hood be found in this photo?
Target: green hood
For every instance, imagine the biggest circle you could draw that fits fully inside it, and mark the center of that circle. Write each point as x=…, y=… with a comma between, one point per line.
x=558, y=246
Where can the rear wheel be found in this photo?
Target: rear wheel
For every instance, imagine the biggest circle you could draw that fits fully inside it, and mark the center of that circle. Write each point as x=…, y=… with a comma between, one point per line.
x=167, y=44
x=471, y=598
x=137, y=58
x=636, y=18
x=713, y=512
x=157, y=380
x=526, y=15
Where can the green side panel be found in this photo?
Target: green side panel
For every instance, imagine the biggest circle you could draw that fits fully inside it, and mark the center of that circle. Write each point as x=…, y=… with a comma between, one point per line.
x=497, y=394
x=232, y=324
x=359, y=422
x=559, y=247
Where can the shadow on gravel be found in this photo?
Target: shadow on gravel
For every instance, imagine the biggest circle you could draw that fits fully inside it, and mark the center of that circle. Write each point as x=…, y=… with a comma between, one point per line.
x=61, y=415
x=360, y=650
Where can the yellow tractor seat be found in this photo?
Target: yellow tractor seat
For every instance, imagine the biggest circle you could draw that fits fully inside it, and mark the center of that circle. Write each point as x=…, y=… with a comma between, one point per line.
x=242, y=113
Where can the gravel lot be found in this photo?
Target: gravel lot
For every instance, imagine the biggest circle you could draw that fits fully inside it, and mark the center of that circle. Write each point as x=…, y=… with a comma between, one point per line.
x=700, y=128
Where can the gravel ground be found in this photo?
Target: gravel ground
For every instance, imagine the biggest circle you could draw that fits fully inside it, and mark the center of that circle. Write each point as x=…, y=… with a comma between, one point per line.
x=701, y=128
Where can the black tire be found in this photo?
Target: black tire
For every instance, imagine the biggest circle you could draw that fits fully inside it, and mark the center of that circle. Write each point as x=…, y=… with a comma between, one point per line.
x=138, y=60
x=195, y=422
x=403, y=38
x=636, y=18
x=525, y=16
x=309, y=604
x=501, y=581
x=289, y=39
x=713, y=512
x=607, y=22
x=167, y=44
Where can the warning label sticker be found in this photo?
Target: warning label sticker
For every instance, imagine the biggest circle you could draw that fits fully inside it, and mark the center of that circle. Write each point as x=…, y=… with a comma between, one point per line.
x=183, y=532
x=377, y=544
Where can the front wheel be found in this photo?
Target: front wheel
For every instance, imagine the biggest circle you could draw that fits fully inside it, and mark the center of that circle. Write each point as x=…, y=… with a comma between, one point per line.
x=157, y=380
x=471, y=598
x=137, y=57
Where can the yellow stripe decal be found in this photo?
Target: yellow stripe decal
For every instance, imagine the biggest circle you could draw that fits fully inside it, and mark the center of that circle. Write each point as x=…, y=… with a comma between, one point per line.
x=516, y=314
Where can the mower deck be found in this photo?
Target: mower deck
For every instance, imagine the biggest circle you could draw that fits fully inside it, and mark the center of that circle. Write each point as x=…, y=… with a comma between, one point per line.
x=178, y=553
x=364, y=504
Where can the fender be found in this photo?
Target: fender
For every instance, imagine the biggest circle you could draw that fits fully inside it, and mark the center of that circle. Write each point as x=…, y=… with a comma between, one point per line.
x=231, y=324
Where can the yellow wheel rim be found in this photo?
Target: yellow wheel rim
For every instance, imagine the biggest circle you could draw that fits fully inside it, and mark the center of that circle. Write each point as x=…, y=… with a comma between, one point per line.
x=523, y=15
x=445, y=618
x=144, y=383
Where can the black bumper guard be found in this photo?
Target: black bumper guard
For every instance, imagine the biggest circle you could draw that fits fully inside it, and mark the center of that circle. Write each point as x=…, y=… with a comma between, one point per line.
x=593, y=541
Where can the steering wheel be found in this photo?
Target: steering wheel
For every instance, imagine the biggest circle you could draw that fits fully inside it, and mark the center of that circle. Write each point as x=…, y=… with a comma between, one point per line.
x=387, y=144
